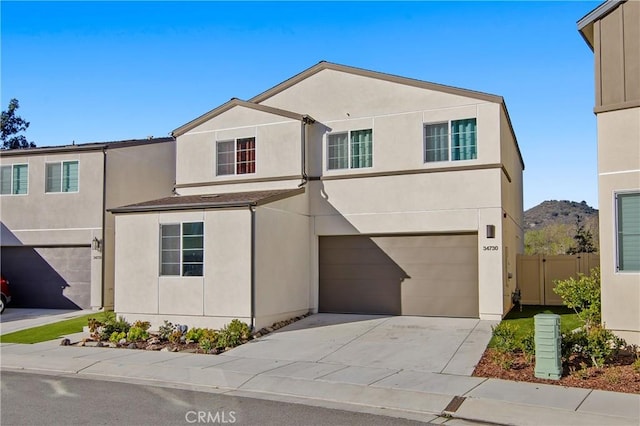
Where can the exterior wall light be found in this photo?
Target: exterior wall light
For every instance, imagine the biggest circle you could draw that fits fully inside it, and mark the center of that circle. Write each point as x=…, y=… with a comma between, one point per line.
x=491, y=231
x=96, y=244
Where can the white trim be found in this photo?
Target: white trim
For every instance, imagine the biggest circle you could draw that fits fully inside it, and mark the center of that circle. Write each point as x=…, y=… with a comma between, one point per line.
x=619, y=172
x=61, y=162
x=180, y=237
x=349, y=166
x=56, y=229
x=236, y=128
x=12, y=165
x=616, y=233
x=235, y=156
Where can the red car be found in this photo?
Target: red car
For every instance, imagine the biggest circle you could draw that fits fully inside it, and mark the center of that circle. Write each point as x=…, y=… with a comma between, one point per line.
x=5, y=295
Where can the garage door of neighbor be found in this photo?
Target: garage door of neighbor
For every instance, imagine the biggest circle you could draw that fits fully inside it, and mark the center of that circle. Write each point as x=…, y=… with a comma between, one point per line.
x=424, y=275
x=48, y=277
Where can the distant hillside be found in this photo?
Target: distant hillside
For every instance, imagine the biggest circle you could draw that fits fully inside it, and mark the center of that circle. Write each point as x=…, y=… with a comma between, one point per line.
x=555, y=212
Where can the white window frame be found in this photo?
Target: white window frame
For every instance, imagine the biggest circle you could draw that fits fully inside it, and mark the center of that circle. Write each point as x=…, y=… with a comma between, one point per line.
x=449, y=141
x=235, y=156
x=62, y=163
x=616, y=234
x=13, y=166
x=349, y=156
x=180, y=250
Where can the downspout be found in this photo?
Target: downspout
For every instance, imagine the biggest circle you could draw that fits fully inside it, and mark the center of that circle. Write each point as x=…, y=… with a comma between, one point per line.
x=303, y=138
x=104, y=223
x=252, y=209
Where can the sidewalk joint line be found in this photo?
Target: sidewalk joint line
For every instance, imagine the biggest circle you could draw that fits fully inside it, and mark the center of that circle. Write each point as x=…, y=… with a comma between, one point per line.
x=459, y=346
x=583, y=399
x=357, y=337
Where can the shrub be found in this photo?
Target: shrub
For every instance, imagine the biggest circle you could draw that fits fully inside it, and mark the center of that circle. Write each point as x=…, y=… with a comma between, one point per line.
x=208, y=340
x=504, y=337
x=194, y=335
x=572, y=342
x=165, y=330
x=582, y=295
x=116, y=336
x=102, y=330
x=602, y=344
x=145, y=325
x=232, y=334
x=136, y=334
x=528, y=345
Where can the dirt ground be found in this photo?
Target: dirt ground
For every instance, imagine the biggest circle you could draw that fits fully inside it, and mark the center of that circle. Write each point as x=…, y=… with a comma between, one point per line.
x=620, y=376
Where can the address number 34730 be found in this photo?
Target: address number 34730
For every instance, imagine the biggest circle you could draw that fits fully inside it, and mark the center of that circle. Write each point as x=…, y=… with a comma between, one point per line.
x=490, y=248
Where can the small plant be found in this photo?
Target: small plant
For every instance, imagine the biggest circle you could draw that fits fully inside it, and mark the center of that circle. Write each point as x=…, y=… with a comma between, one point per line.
x=232, y=334
x=636, y=365
x=602, y=344
x=502, y=359
x=175, y=336
x=116, y=336
x=582, y=373
x=504, y=337
x=208, y=340
x=145, y=325
x=165, y=330
x=583, y=296
x=137, y=334
x=528, y=345
x=194, y=334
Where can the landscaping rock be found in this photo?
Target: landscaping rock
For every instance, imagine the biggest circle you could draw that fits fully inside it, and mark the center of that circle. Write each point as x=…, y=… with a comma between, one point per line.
x=154, y=347
x=132, y=346
x=65, y=342
x=100, y=345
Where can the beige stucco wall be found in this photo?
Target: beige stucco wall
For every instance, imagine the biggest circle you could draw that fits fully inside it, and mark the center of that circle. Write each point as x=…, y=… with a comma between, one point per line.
x=55, y=218
x=423, y=203
x=134, y=174
x=282, y=244
x=213, y=300
x=278, y=146
x=619, y=171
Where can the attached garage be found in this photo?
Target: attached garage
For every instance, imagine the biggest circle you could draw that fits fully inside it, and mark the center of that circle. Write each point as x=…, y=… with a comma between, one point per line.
x=48, y=277
x=423, y=275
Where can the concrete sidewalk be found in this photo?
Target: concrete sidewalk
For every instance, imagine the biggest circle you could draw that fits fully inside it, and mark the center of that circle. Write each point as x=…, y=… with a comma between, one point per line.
x=327, y=381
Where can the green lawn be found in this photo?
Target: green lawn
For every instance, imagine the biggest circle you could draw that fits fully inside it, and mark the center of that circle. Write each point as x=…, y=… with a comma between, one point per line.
x=524, y=320
x=47, y=332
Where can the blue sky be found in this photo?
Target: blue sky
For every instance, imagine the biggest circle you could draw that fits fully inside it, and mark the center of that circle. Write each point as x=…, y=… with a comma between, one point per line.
x=102, y=71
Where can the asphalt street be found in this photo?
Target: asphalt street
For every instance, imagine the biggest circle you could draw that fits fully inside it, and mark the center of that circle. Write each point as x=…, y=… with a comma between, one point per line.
x=34, y=399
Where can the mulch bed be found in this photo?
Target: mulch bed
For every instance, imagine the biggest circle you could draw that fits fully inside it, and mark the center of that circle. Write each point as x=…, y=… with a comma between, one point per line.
x=619, y=376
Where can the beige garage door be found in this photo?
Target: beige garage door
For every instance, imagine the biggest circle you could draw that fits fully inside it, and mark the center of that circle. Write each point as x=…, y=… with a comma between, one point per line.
x=425, y=275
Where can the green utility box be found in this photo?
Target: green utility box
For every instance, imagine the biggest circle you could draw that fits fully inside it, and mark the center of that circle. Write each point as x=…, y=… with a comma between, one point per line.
x=547, y=339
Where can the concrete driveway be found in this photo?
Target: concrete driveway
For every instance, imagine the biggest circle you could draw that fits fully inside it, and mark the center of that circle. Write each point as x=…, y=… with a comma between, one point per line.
x=376, y=344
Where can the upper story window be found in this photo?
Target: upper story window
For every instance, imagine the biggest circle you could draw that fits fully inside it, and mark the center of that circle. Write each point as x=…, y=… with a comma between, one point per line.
x=14, y=179
x=62, y=177
x=628, y=232
x=350, y=150
x=236, y=156
x=182, y=249
x=451, y=141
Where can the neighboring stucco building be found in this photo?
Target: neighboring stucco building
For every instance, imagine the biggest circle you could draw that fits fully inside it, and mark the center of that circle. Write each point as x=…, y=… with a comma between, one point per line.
x=338, y=190
x=612, y=31
x=57, y=236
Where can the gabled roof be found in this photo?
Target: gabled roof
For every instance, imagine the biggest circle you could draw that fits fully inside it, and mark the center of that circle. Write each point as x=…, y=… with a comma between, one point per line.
x=210, y=201
x=234, y=102
x=324, y=65
x=91, y=146
x=585, y=24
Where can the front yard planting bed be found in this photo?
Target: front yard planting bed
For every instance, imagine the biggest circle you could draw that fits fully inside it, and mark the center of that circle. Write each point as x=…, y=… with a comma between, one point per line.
x=620, y=373
x=113, y=332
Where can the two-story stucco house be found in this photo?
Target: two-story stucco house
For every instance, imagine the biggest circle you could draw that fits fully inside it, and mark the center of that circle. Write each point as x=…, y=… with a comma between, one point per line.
x=612, y=31
x=338, y=190
x=57, y=236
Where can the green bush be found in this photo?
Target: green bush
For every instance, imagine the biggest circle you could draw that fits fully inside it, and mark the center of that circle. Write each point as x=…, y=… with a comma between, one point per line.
x=208, y=340
x=116, y=336
x=602, y=344
x=145, y=325
x=504, y=337
x=232, y=334
x=165, y=330
x=137, y=334
x=194, y=334
x=528, y=344
x=582, y=295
